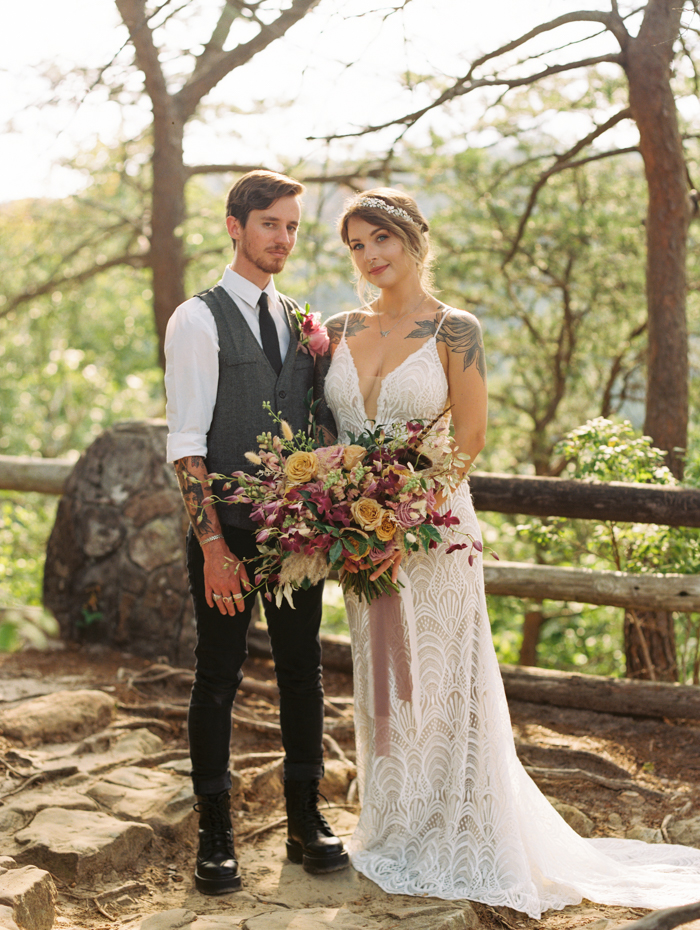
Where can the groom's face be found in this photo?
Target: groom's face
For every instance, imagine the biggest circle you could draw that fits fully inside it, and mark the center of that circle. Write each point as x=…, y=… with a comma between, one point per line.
x=263, y=244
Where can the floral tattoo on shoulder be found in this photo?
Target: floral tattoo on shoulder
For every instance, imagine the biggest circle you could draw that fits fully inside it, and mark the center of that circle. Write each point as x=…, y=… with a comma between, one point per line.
x=460, y=333
x=356, y=322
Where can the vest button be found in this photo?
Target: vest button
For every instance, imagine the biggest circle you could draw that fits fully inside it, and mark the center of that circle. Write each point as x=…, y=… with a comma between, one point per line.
x=282, y=393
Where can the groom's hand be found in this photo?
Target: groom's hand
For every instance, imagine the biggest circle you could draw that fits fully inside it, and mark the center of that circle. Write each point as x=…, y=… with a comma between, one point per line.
x=225, y=578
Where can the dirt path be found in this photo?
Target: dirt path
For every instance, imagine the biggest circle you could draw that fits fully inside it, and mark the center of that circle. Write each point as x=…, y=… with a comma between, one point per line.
x=622, y=777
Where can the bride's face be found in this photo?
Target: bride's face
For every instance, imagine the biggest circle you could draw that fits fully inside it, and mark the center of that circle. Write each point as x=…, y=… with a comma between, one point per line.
x=380, y=255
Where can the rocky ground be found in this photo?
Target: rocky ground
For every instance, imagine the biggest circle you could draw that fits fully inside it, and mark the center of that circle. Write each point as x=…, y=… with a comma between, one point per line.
x=97, y=829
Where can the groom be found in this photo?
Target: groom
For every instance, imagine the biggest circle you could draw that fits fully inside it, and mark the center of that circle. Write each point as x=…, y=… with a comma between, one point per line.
x=227, y=351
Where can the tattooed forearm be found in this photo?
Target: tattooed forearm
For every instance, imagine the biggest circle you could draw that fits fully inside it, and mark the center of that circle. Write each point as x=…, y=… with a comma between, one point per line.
x=190, y=471
x=462, y=335
x=336, y=326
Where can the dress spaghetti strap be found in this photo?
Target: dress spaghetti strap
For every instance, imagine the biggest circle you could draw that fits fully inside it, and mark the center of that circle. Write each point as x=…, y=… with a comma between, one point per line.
x=443, y=318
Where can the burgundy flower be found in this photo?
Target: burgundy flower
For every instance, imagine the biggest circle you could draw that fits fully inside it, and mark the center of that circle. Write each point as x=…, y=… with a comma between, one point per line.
x=445, y=519
x=455, y=546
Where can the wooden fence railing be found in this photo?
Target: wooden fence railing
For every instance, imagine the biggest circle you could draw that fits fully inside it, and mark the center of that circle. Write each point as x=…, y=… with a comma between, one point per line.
x=530, y=496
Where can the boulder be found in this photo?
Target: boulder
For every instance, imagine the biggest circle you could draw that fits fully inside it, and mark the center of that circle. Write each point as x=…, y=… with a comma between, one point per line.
x=266, y=783
x=6, y=919
x=31, y=894
x=162, y=799
x=685, y=832
x=575, y=818
x=176, y=919
x=76, y=845
x=336, y=779
x=437, y=917
x=314, y=918
x=58, y=717
x=115, y=567
x=645, y=834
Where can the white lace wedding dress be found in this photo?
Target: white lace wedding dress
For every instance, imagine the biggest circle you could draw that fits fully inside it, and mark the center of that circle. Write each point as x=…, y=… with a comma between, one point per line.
x=451, y=812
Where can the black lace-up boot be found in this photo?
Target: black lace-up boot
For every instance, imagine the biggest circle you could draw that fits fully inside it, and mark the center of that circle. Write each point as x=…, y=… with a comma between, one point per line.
x=310, y=841
x=217, y=867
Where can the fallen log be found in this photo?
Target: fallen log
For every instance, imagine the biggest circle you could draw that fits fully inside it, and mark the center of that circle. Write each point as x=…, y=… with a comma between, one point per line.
x=586, y=586
x=518, y=494
x=621, y=696
x=583, y=500
x=26, y=473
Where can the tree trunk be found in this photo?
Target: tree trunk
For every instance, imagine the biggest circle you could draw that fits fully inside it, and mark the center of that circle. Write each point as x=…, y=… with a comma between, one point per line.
x=647, y=62
x=650, y=645
x=168, y=208
x=532, y=623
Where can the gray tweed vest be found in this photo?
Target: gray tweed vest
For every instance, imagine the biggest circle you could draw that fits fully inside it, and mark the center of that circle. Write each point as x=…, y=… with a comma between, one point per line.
x=246, y=379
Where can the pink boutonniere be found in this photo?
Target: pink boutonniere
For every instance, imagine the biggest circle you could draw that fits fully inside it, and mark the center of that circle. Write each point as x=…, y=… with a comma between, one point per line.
x=313, y=335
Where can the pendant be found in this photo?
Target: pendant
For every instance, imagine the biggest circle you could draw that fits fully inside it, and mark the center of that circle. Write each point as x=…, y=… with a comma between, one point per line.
x=384, y=334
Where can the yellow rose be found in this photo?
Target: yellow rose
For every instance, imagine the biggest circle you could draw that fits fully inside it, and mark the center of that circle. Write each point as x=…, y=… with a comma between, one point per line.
x=301, y=467
x=367, y=512
x=386, y=529
x=352, y=456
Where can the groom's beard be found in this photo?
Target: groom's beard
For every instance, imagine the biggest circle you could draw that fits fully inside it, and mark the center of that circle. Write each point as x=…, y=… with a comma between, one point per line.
x=270, y=262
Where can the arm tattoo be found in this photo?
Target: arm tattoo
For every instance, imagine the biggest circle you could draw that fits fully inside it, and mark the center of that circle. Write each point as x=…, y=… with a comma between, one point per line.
x=356, y=323
x=461, y=335
x=193, y=494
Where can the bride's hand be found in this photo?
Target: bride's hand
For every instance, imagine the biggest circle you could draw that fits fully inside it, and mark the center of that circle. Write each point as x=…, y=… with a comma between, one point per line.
x=352, y=566
x=393, y=562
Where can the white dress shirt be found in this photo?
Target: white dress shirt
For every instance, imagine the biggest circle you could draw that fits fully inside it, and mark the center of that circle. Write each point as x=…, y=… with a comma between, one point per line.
x=192, y=361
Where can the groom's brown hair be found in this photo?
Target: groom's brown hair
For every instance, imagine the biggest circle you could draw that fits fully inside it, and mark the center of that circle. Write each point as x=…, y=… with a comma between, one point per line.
x=257, y=190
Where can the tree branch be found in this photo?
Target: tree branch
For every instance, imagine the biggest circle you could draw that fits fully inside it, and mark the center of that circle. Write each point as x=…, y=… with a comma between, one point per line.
x=135, y=259
x=348, y=178
x=133, y=13
x=561, y=163
x=221, y=64
x=615, y=369
x=591, y=16
x=220, y=169
x=459, y=90
x=215, y=46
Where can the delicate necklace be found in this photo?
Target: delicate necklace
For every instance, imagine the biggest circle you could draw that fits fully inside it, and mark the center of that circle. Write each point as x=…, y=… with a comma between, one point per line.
x=385, y=332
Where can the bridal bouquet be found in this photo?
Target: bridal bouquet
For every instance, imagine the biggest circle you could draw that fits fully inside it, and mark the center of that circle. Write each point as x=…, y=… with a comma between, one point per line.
x=346, y=507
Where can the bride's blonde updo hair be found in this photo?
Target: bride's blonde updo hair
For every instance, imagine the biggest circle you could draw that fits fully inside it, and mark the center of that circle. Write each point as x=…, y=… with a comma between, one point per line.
x=398, y=213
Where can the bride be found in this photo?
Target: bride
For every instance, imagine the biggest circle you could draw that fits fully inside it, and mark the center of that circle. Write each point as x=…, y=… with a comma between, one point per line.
x=447, y=808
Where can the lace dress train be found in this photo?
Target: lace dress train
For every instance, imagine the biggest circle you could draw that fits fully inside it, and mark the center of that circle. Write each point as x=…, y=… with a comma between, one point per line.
x=451, y=812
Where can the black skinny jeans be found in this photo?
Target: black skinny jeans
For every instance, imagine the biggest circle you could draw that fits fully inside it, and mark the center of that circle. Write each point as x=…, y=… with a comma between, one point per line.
x=220, y=652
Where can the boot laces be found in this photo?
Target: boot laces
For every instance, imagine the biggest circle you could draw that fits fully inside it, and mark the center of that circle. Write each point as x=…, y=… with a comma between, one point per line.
x=216, y=824
x=312, y=815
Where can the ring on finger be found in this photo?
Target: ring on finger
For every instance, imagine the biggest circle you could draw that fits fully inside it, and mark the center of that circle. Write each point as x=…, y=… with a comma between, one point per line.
x=217, y=597
x=238, y=597
x=227, y=600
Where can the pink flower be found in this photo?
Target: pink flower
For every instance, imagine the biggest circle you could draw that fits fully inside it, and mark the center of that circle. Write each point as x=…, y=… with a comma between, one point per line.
x=319, y=341
x=408, y=514
x=329, y=458
x=313, y=336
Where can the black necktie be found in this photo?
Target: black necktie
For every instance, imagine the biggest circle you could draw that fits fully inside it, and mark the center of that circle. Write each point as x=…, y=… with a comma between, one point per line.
x=268, y=335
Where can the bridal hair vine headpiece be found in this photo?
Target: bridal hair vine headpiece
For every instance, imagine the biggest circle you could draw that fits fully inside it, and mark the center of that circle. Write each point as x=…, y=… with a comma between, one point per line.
x=379, y=204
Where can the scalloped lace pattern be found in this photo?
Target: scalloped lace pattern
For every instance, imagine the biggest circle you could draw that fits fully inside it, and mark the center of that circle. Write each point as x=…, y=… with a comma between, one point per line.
x=451, y=812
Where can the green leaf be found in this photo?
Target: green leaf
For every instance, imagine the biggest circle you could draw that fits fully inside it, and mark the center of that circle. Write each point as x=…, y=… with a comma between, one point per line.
x=336, y=551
